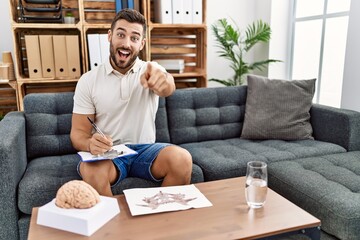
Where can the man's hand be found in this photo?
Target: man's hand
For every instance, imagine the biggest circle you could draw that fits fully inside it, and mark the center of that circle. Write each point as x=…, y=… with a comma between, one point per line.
x=160, y=82
x=99, y=145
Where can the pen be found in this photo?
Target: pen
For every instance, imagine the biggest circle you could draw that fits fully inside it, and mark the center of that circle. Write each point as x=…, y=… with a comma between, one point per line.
x=96, y=127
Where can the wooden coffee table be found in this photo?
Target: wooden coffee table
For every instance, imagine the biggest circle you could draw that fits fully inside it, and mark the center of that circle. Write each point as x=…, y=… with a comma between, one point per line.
x=228, y=218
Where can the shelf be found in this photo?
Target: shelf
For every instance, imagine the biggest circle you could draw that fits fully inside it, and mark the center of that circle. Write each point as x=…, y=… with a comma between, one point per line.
x=177, y=26
x=97, y=25
x=164, y=41
x=8, y=96
x=11, y=83
x=46, y=25
x=44, y=80
x=187, y=75
x=22, y=83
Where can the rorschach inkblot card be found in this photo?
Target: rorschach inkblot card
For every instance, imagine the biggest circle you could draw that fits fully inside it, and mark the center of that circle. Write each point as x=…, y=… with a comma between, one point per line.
x=164, y=199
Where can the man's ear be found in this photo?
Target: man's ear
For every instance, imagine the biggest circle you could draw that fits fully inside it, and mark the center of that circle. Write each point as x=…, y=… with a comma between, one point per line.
x=143, y=44
x=109, y=35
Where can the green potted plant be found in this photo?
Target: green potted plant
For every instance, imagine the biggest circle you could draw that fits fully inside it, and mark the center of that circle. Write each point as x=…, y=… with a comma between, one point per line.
x=234, y=45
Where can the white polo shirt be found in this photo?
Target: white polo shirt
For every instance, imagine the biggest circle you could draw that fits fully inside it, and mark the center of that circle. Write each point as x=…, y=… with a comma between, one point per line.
x=123, y=108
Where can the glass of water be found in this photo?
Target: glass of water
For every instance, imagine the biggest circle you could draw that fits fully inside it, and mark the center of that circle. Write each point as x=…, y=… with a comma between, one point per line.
x=256, y=184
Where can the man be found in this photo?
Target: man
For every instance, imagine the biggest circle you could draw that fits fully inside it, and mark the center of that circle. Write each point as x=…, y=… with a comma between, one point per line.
x=121, y=95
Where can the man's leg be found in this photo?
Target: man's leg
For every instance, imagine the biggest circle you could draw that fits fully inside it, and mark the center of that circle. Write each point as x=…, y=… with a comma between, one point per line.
x=174, y=165
x=100, y=175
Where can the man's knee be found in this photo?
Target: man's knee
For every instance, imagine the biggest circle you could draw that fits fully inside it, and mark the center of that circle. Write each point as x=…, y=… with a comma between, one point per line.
x=172, y=159
x=95, y=170
x=180, y=161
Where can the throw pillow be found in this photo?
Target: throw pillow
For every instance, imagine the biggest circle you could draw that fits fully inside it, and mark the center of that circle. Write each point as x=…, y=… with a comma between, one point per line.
x=278, y=109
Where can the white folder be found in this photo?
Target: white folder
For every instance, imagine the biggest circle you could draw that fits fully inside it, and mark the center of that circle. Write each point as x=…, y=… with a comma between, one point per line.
x=197, y=12
x=187, y=11
x=163, y=11
x=104, y=47
x=94, y=50
x=177, y=11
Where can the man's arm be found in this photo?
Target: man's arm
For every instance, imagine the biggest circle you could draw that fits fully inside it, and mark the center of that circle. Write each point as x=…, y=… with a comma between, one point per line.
x=82, y=138
x=162, y=83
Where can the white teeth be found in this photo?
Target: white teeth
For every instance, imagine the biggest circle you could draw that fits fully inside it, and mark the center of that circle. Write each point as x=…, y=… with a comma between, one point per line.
x=124, y=52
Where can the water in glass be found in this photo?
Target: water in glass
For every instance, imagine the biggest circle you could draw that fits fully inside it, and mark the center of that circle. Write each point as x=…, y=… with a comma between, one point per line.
x=256, y=184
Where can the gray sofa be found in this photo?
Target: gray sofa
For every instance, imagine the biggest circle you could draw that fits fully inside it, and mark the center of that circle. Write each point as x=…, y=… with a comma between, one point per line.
x=321, y=175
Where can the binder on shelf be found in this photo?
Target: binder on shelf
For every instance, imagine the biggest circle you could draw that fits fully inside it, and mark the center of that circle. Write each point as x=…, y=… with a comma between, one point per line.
x=163, y=11
x=118, y=5
x=33, y=56
x=137, y=5
x=130, y=4
x=73, y=55
x=47, y=55
x=124, y=3
x=197, y=12
x=104, y=47
x=61, y=66
x=177, y=11
x=94, y=50
x=187, y=11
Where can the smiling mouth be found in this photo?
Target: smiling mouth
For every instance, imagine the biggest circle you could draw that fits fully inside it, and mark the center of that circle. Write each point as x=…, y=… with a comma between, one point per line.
x=124, y=54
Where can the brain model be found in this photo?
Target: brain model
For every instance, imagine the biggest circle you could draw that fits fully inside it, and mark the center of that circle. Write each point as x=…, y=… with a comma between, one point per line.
x=76, y=194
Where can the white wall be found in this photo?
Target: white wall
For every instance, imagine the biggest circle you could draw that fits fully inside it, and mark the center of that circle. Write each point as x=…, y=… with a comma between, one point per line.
x=6, y=40
x=242, y=12
x=351, y=82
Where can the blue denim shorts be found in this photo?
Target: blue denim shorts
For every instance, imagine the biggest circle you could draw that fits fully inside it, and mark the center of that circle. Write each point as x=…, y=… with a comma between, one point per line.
x=138, y=165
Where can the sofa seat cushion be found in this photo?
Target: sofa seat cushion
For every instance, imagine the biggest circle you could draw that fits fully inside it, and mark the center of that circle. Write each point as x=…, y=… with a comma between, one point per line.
x=328, y=187
x=45, y=175
x=221, y=159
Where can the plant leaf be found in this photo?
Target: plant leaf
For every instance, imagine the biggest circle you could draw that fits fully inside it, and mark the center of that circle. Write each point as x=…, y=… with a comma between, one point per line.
x=260, y=65
x=257, y=32
x=223, y=82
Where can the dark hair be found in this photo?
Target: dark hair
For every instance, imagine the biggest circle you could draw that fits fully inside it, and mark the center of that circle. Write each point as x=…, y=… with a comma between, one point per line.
x=131, y=16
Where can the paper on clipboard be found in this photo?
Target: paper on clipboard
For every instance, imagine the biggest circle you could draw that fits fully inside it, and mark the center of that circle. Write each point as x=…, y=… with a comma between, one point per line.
x=117, y=151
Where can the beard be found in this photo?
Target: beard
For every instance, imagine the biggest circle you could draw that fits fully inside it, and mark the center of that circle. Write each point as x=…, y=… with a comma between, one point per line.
x=120, y=63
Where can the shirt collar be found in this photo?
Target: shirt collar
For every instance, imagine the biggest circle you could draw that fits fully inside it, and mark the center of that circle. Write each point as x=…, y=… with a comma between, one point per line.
x=135, y=68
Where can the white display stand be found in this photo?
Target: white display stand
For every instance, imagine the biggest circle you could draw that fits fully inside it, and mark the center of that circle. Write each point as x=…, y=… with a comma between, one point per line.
x=80, y=221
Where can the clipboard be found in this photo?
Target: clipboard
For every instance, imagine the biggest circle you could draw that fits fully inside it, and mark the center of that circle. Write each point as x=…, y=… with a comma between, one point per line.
x=117, y=151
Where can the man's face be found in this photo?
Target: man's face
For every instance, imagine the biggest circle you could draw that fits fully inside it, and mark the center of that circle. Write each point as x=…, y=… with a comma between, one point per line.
x=126, y=41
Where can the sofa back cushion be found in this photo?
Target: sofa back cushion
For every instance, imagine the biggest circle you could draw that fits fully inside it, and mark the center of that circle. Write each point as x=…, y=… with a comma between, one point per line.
x=204, y=114
x=48, y=124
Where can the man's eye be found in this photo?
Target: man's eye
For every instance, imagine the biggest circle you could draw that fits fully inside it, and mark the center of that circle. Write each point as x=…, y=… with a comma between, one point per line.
x=120, y=35
x=134, y=39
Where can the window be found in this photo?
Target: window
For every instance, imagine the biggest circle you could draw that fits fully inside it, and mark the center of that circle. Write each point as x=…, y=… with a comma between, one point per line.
x=319, y=44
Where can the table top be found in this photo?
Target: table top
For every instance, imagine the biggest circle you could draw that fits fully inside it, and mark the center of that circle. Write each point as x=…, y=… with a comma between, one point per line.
x=228, y=218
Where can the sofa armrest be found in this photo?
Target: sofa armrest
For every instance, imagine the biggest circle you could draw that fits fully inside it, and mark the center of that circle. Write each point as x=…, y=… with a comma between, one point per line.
x=339, y=126
x=13, y=163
